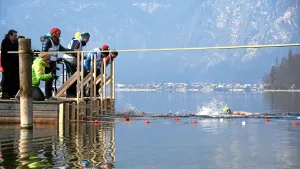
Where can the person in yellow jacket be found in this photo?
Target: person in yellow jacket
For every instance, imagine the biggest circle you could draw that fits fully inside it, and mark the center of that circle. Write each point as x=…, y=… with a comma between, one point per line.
x=38, y=74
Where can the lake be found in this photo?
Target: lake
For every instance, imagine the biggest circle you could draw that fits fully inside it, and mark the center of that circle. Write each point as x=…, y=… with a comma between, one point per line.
x=211, y=143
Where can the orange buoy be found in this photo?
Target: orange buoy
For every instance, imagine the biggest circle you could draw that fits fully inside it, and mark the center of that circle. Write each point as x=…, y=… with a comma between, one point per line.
x=177, y=119
x=294, y=123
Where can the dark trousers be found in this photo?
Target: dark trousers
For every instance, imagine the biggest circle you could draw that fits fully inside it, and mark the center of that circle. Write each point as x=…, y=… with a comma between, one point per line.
x=10, y=82
x=71, y=69
x=98, y=85
x=49, y=83
x=37, y=94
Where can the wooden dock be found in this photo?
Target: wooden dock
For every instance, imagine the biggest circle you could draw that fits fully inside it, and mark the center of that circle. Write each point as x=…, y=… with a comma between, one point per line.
x=62, y=110
x=51, y=112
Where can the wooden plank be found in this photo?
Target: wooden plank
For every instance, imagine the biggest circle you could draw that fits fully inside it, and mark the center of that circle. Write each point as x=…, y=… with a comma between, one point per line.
x=16, y=113
x=112, y=85
x=67, y=112
x=88, y=110
x=13, y=120
x=97, y=104
x=36, y=107
x=84, y=108
x=86, y=79
x=67, y=84
x=108, y=80
x=67, y=119
x=61, y=117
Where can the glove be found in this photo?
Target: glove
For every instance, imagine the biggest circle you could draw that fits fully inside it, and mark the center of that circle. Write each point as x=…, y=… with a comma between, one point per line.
x=54, y=76
x=60, y=59
x=54, y=69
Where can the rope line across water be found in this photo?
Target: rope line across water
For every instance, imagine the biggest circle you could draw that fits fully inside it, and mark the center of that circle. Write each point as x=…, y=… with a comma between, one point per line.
x=183, y=49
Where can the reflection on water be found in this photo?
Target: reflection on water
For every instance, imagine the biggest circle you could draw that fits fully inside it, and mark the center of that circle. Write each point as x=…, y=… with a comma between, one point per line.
x=283, y=101
x=164, y=143
x=44, y=146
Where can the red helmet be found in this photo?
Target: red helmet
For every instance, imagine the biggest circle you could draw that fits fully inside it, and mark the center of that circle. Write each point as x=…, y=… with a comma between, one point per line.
x=55, y=31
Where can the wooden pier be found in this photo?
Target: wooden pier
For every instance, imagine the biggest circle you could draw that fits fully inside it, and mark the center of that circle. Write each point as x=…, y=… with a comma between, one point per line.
x=66, y=109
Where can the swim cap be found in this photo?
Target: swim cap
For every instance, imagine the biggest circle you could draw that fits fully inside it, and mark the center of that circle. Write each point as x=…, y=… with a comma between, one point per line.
x=77, y=35
x=225, y=109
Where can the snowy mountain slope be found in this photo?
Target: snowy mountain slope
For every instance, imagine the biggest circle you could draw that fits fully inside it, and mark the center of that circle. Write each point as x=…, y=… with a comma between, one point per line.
x=169, y=23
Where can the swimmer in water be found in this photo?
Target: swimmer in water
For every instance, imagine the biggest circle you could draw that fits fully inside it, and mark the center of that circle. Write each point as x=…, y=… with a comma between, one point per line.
x=228, y=111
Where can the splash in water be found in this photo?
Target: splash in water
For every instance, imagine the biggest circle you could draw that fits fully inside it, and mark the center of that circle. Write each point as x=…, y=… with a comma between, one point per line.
x=212, y=108
x=130, y=109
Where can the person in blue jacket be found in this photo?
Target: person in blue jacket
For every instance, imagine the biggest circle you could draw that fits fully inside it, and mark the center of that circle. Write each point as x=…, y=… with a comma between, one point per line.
x=51, y=43
x=99, y=56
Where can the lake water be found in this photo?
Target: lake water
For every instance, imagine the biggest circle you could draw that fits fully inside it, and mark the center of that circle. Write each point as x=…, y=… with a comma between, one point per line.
x=165, y=143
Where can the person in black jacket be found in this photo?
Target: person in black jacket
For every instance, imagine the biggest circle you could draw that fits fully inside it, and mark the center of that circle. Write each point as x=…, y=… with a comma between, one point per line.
x=50, y=43
x=10, y=63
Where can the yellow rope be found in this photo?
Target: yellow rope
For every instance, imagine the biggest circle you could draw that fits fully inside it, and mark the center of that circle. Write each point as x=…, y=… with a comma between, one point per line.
x=178, y=49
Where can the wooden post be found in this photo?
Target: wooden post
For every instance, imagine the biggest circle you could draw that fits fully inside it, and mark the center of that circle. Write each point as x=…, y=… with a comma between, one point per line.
x=61, y=120
x=112, y=85
x=26, y=109
x=95, y=76
x=104, y=84
x=112, y=72
x=101, y=88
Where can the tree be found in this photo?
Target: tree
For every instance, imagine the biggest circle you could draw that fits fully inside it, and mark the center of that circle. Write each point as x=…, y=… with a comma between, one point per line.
x=286, y=75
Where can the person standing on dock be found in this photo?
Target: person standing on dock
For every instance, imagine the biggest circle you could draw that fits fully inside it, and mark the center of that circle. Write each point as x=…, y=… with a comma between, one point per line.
x=71, y=60
x=38, y=74
x=51, y=43
x=10, y=63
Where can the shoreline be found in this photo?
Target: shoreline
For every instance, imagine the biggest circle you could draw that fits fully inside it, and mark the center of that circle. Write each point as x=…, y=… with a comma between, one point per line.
x=200, y=91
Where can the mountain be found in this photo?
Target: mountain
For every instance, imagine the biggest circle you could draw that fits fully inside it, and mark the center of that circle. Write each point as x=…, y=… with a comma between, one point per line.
x=139, y=24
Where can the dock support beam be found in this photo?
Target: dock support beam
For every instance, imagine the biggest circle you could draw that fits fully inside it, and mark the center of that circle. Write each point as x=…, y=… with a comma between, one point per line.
x=26, y=109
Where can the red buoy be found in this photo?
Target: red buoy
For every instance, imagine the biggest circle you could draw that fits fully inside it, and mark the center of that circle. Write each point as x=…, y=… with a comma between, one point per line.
x=294, y=123
x=147, y=122
x=194, y=122
x=96, y=121
x=177, y=119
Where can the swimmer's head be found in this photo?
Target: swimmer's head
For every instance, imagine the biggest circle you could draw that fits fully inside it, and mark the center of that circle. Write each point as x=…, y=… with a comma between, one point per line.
x=226, y=110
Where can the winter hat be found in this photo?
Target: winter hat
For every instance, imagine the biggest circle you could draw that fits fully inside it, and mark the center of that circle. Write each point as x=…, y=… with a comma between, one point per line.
x=85, y=35
x=105, y=47
x=55, y=31
x=77, y=35
x=44, y=56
